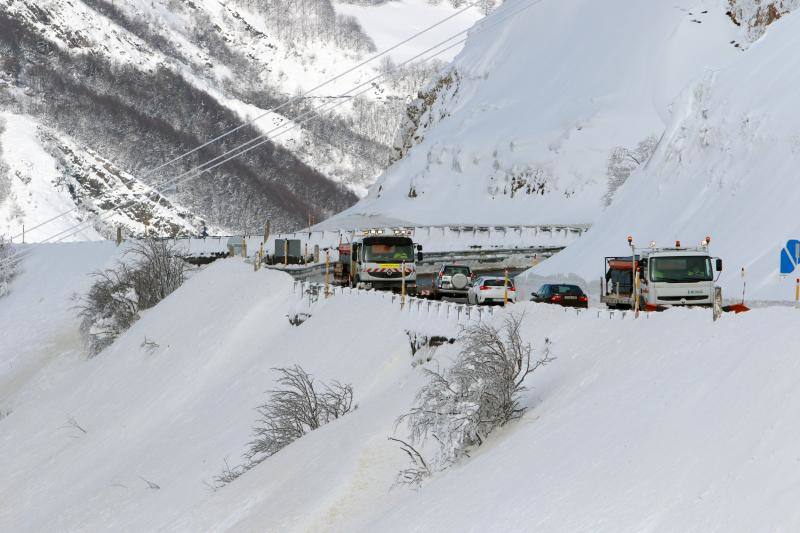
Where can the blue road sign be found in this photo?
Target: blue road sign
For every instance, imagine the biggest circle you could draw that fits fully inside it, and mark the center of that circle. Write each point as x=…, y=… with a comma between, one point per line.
x=790, y=257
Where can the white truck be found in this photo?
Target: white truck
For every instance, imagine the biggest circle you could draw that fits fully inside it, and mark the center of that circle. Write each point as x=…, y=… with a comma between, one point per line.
x=383, y=259
x=662, y=277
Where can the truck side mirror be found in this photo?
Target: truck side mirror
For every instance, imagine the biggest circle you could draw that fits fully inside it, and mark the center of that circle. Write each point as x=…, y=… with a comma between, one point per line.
x=419, y=247
x=719, y=264
x=419, y=256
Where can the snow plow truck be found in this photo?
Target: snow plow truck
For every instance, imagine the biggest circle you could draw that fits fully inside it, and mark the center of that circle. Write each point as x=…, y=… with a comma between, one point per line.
x=662, y=277
x=382, y=259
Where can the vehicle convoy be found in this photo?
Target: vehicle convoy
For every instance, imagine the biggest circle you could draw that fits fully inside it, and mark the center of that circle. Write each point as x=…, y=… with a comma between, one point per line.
x=491, y=289
x=452, y=281
x=382, y=259
x=561, y=294
x=661, y=277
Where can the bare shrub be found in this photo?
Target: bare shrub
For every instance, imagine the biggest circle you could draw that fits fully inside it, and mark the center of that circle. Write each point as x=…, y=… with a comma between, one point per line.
x=294, y=408
x=8, y=264
x=152, y=270
x=158, y=269
x=460, y=406
x=229, y=473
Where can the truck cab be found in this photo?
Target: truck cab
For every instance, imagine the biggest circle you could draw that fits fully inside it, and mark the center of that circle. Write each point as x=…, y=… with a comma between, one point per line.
x=678, y=277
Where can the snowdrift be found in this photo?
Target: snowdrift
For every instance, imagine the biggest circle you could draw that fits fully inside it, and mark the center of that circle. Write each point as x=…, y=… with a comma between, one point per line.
x=725, y=167
x=38, y=325
x=666, y=423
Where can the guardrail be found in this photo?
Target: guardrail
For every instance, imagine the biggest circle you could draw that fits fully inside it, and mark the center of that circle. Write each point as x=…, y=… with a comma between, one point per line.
x=436, y=239
x=460, y=313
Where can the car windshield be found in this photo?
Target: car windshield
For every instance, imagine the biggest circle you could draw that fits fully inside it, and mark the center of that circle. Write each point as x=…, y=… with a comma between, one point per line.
x=452, y=270
x=388, y=250
x=685, y=269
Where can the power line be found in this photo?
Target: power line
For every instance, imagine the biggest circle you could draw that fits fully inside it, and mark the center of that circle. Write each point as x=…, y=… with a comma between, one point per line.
x=276, y=108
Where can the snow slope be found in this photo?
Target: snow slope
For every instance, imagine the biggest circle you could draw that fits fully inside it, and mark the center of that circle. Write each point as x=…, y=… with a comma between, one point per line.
x=669, y=423
x=38, y=324
x=522, y=128
x=726, y=167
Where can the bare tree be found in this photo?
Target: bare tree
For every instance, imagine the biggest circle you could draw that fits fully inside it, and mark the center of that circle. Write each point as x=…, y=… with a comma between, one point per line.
x=459, y=407
x=294, y=408
x=8, y=265
x=151, y=270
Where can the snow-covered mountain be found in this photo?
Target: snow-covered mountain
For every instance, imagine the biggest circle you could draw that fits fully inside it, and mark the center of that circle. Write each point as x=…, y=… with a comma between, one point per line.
x=141, y=82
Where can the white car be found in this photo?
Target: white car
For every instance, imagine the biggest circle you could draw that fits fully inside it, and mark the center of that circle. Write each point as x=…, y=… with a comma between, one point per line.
x=491, y=289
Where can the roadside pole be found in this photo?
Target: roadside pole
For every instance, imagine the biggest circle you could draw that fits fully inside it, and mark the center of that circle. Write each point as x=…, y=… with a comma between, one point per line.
x=327, y=265
x=797, y=280
x=505, y=288
x=286, y=252
x=402, y=284
x=634, y=278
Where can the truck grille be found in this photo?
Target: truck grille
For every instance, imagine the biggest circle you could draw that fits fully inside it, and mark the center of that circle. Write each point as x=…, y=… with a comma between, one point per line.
x=386, y=274
x=679, y=298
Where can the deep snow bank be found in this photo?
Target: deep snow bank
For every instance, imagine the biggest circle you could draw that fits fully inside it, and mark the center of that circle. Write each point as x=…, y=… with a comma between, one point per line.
x=666, y=423
x=726, y=167
x=38, y=325
x=522, y=129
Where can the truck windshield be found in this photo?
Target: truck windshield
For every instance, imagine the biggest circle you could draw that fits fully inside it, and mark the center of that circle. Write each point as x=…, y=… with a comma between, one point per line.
x=687, y=269
x=388, y=250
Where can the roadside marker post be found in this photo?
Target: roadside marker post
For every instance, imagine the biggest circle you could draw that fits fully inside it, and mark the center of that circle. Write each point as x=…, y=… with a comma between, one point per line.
x=402, y=284
x=327, y=265
x=505, y=288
